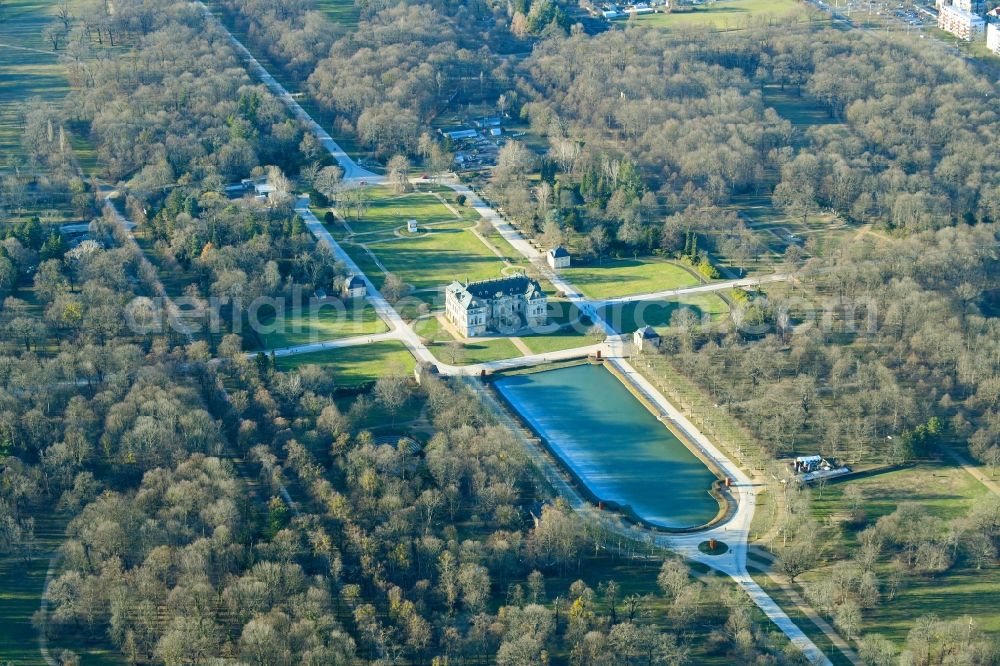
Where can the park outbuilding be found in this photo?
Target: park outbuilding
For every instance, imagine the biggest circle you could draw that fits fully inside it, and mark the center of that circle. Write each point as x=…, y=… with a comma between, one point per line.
x=258, y=186
x=458, y=135
x=807, y=463
x=646, y=336
x=411, y=226
x=558, y=257
x=354, y=287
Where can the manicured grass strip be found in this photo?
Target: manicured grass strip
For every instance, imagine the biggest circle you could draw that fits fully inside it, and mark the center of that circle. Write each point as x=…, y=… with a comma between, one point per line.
x=353, y=366
x=365, y=263
x=621, y=277
x=567, y=339
x=434, y=260
x=463, y=352
x=26, y=73
x=796, y=108
x=328, y=322
x=959, y=593
x=944, y=490
x=476, y=351
x=21, y=585
x=20, y=595
x=724, y=14
x=628, y=317
x=342, y=12
x=388, y=211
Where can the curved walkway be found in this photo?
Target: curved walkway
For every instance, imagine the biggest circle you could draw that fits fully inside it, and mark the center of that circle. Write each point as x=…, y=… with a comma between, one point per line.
x=734, y=531
x=732, y=563
x=785, y=583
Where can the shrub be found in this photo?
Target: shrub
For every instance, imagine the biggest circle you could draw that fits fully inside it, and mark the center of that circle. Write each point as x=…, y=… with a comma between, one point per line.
x=707, y=270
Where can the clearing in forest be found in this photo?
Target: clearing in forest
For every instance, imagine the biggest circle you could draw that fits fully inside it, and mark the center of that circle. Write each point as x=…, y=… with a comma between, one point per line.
x=327, y=320
x=945, y=493
x=725, y=14
x=354, y=366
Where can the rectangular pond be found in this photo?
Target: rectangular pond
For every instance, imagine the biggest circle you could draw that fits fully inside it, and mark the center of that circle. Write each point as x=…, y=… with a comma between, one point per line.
x=619, y=450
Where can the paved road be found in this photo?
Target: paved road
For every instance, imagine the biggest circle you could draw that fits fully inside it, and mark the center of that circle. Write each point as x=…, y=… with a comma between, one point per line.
x=785, y=583
x=734, y=531
x=352, y=171
x=27, y=48
x=400, y=330
x=699, y=289
x=355, y=341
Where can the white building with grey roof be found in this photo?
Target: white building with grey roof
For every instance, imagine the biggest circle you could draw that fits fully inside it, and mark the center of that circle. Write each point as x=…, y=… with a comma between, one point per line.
x=501, y=305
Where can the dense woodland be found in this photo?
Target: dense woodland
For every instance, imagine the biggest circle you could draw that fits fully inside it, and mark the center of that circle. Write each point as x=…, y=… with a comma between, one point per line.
x=891, y=337
x=233, y=511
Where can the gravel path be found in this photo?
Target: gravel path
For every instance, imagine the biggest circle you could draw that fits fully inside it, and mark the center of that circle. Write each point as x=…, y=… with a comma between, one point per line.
x=734, y=531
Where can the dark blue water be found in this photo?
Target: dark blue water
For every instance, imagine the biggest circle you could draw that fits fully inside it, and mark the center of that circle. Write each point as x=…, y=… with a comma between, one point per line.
x=616, y=447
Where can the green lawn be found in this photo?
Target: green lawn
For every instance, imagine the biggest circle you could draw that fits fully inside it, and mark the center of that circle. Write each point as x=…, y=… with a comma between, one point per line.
x=441, y=253
x=797, y=108
x=342, y=12
x=489, y=232
x=30, y=73
x=20, y=595
x=434, y=260
x=330, y=321
x=25, y=72
x=628, y=317
x=21, y=585
x=476, y=351
x=465, y=352
x=388, y=211
x=377, y=420
x=353, y=366
x=725, y=14
x=564, y=339
x=445, y=249
x=621, y=277
x=562, y=312
x=945, y=491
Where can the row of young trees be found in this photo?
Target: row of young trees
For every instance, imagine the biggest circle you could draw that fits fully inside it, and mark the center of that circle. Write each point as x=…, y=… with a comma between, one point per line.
x=444, y=552
x=876, y=340
x=178, y=555
x=693, y=115
x=386, y=79
x=167, y=115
